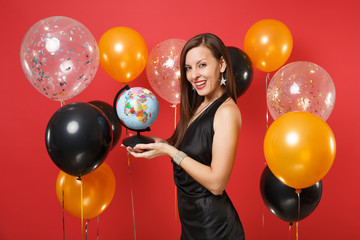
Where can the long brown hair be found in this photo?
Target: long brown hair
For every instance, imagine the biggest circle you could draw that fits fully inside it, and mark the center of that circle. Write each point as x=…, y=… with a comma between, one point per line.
x=190, y=100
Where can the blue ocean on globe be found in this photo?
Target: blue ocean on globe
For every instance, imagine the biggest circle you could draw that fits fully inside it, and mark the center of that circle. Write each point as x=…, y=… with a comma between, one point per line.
x=137, y=108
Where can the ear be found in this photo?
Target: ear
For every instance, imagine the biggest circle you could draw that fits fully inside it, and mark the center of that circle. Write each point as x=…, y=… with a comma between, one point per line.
x=222, y=64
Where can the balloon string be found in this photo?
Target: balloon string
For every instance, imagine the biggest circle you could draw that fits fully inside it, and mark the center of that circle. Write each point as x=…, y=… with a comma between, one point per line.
x=175, y=196
x=128, y=158
x=81, y=207
x=267, y=110
x=63, y=211
x=297, y=230
x=290, y=225
x=298, y=191
x=263, y=223
x=131, y=191
x=267, y=126
x=97, y=232
x=133, y=212
x=175, y=108
x=86, y=228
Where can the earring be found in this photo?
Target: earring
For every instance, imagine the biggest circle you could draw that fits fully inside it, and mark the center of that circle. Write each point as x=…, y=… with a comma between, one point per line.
x=223, y=80
x=193, y=88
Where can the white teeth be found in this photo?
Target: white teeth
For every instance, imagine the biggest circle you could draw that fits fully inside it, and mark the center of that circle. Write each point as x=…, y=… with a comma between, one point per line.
x=200, y=83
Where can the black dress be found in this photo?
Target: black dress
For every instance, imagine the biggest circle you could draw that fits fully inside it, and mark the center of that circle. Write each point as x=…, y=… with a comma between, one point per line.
x=203, y=216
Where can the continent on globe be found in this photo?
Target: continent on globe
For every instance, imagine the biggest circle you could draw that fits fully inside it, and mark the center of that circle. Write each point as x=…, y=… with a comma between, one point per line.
x=136, y=103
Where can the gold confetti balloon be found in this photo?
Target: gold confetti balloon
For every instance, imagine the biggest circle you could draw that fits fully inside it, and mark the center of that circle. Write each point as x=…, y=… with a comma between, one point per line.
x=301, y=86
x=163, y=69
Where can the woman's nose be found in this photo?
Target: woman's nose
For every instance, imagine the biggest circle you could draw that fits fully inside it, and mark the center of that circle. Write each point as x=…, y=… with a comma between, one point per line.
x=194, y=74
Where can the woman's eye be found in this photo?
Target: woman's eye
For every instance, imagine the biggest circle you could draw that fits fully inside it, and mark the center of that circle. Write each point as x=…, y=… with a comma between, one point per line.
x=202, y=65
x=187, y=68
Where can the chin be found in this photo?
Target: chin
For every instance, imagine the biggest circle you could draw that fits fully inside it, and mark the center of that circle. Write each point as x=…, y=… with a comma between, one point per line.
x=201, y=92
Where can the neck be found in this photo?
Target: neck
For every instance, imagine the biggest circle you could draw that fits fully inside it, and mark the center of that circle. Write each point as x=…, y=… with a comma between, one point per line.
x=210, y=98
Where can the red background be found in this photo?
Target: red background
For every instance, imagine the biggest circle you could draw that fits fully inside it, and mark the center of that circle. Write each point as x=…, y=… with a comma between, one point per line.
x=324, y=32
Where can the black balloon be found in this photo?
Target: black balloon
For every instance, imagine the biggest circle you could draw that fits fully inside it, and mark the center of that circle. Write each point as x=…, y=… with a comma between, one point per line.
x=282, y=200
x=242, y=69
x=108, y=110
x=78, y=138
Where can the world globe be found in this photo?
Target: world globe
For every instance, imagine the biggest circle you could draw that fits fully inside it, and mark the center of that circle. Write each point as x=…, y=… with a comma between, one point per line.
x=137, y=108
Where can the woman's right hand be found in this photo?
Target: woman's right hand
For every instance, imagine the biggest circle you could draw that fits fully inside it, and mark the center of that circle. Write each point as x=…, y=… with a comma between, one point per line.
x=137, y=150
x=158, y=140
x=152, y=150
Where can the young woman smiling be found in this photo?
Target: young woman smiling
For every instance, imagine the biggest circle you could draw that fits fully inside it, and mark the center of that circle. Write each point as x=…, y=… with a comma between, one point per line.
x=203, y=146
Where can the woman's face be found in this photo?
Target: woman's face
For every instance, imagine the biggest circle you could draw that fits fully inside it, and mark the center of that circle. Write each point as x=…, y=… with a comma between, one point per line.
x=203, y=71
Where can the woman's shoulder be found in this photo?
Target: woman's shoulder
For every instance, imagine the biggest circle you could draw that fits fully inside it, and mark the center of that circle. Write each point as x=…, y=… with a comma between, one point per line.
x=228, y=112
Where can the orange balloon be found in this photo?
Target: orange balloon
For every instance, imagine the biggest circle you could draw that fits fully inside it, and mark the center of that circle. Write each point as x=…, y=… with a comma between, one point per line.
x=299, y=149
x=123, y=53
x=98, y=191
x=268, y=43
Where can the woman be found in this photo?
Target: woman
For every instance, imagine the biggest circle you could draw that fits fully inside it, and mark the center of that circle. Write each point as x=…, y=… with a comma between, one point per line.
x=203, y=146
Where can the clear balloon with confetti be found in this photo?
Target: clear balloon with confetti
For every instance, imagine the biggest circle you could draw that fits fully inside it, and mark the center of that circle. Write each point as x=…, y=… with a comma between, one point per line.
x=163, y=69
x=301, y=86
x=59, y=57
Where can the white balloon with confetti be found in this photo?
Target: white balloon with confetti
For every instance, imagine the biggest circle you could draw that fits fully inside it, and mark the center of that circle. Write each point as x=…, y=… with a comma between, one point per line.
x=60, y=57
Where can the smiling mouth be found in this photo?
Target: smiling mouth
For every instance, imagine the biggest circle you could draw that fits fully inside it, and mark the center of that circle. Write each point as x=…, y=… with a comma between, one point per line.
x=200, y=84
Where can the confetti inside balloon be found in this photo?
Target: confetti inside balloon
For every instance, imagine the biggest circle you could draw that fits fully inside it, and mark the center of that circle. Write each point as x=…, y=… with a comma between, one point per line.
x=59, y=57
x=163, y=69
x=301, y=86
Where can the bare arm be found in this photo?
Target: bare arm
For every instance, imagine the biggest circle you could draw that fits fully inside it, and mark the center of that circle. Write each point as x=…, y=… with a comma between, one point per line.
x=227, y=124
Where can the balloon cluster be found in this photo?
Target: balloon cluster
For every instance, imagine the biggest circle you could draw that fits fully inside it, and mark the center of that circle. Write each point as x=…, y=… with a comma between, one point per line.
x=78, y=138
x=299, y=146
x=60, y=57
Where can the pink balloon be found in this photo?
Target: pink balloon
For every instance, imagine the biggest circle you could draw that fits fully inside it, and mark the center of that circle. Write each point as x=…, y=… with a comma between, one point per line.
x=163, y=69
x=301, y=86
x=59, y=57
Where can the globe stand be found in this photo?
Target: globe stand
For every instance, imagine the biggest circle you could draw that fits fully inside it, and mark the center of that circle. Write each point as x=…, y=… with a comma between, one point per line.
x=133, y=140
